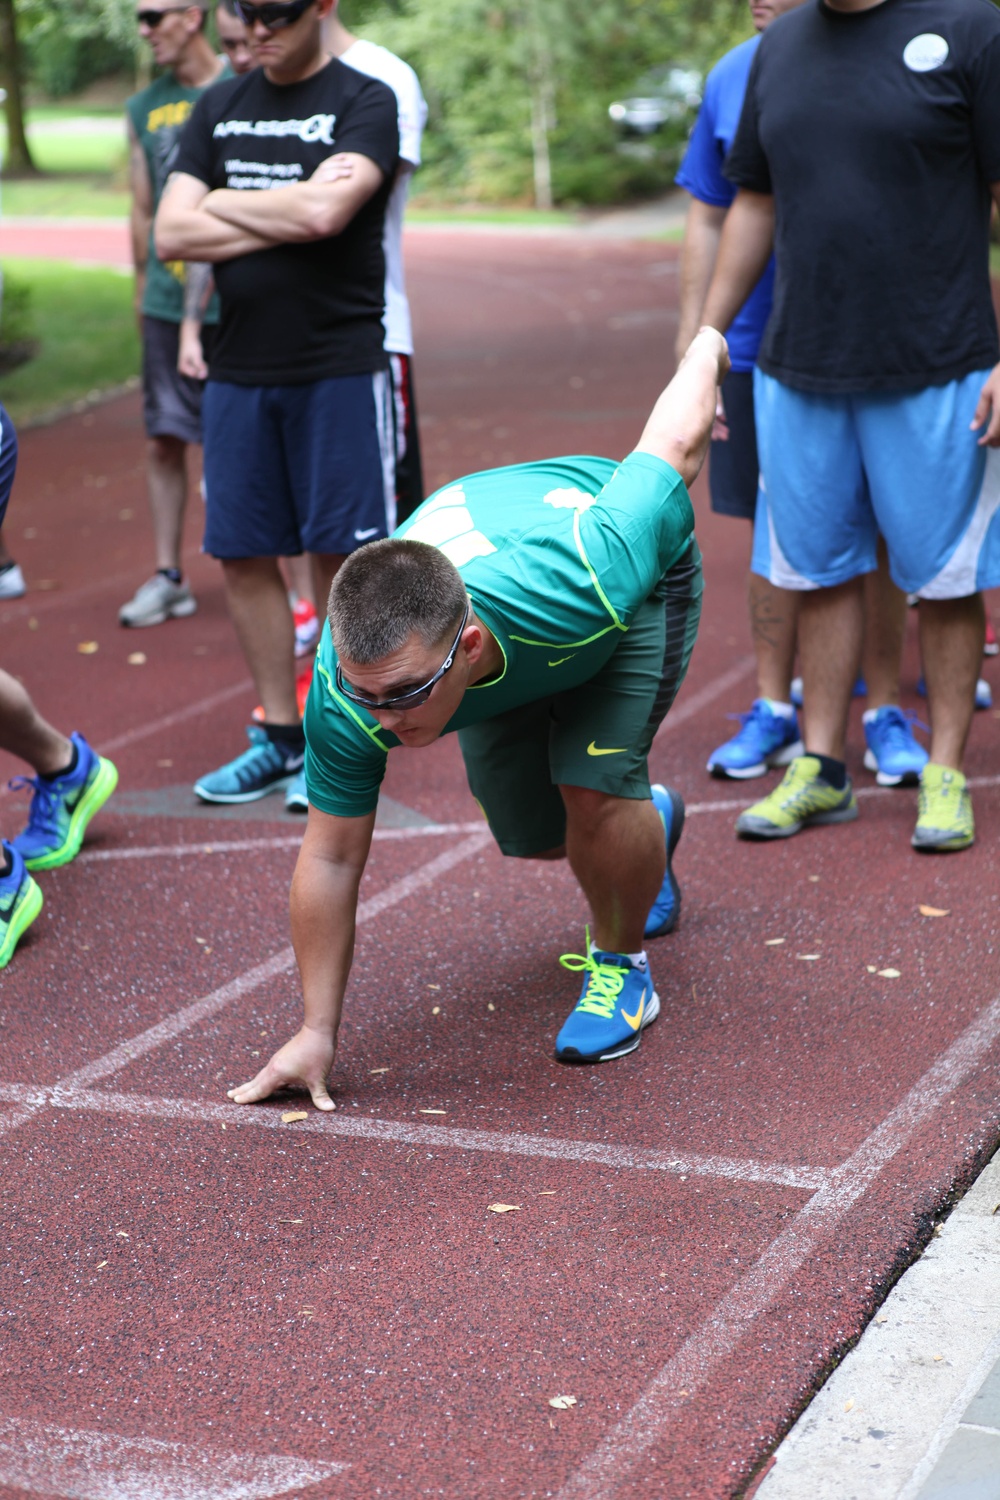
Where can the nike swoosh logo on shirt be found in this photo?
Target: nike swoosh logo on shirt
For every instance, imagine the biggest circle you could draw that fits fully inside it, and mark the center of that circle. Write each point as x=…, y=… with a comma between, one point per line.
x=362, y=536
x=560, y=659
x=593, y=750
x=635, y=1021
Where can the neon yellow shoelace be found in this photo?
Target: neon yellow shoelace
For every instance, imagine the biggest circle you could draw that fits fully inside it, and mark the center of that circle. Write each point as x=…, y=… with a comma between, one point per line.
x=604, y=982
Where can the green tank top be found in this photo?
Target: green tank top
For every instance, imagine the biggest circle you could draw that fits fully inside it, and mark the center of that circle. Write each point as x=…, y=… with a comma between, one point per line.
x=556, y=556
x=158, y=115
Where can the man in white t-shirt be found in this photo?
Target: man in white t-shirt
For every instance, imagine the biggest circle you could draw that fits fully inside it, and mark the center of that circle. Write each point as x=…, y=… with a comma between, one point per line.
x=379, y=62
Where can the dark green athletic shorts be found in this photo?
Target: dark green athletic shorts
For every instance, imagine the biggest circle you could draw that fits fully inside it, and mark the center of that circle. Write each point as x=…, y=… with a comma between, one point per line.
x=597, y=735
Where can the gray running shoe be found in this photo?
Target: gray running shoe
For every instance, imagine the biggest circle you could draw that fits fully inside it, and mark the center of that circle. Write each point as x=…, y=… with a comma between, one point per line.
x=12, y=584
x=157, y=600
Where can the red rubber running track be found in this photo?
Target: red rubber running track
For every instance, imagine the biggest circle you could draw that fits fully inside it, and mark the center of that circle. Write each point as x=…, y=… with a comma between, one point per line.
x=203, y=1301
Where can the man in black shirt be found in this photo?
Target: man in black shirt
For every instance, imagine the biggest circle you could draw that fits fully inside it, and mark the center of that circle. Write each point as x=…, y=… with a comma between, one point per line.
x=298, y=429
x=867, y=153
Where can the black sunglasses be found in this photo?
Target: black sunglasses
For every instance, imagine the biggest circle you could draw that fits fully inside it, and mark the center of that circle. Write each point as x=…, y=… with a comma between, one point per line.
x=271, y=16
x=152, y=18
x=412, y=699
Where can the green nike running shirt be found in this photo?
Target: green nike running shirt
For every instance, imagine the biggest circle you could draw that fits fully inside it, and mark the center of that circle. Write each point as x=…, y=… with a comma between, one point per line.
x=556, y=557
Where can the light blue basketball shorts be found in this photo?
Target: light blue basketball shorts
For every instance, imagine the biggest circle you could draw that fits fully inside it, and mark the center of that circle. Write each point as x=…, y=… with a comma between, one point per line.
x=835, y=471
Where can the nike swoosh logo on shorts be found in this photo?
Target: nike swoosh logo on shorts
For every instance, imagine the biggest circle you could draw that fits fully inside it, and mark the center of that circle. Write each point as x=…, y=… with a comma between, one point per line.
x=362, y=536
x=635, y=1021
x=593, y=750
x=560, y=659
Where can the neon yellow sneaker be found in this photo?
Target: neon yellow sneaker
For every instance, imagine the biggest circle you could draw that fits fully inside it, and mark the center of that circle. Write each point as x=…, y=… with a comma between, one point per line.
x=944, y=811
x=802, y=797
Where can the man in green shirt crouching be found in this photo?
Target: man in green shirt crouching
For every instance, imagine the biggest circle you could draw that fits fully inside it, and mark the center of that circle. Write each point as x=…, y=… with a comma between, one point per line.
x=547, y=613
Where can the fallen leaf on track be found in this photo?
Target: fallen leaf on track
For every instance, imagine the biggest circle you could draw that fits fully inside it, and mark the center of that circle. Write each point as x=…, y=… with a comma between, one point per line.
x=562, y=1403
x=136, y=658
x=809, y=958
x=888, y=973
x=773, y=942
x=503, y=1208
x=87, y=648
x=934, y=911
x=882, y=1319
x=101, y=1264
x=294, y=1114
x=848, y=1404
x=871, y=968
x=432, y=1111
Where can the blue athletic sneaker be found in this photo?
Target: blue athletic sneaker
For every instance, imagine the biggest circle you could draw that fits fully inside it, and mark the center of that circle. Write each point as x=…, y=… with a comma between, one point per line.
x=766, y=739
x=61, y=808
x=893, y=753
x=297, y=798
x=20, y=903
x=667, y=906
x=984, y=693
x=265, y=767
x=617, y=1003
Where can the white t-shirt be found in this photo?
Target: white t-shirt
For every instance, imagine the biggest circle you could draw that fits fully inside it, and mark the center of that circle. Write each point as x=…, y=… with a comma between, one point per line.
x=379, y=62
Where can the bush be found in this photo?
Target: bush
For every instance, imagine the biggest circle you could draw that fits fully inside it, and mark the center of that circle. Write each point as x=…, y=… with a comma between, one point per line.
x=17, y=326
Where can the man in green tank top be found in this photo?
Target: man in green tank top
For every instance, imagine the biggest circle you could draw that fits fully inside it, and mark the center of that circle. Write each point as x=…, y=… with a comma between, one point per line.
x=547, y=613
x=171, y=402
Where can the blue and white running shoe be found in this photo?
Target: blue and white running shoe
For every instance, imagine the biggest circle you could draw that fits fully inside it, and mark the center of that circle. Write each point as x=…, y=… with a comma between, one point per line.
x=297, y=798
x=667, y=906
x=765, y=739
x=265, y=767
x=893, y=753
x=617, y=1002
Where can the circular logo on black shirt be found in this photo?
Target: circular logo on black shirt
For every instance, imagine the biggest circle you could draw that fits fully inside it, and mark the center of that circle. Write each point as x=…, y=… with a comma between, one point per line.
x=925, y=53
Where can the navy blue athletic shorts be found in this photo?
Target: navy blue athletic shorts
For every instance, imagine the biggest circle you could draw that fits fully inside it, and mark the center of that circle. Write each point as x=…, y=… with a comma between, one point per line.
x=8, y=460
x=298, y=468
x=732, y=465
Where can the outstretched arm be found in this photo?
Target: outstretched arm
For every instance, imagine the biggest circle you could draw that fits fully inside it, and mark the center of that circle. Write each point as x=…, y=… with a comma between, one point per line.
x=679, y=427
x=324, y=905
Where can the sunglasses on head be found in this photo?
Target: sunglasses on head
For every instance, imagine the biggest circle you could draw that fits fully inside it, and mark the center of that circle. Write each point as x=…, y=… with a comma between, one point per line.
x=152, y=18
x=414, y=697
x=271, y=16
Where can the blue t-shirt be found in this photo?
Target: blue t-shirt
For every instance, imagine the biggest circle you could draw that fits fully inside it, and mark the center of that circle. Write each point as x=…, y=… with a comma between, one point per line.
x=701, y=174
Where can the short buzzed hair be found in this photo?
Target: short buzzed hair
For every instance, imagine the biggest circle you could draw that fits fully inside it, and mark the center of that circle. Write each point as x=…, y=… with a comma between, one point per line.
x=386, y=591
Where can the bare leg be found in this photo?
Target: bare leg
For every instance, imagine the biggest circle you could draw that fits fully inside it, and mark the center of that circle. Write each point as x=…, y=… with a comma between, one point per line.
x=774, y=620
x=325, y=566
x=166, y=477
x=259, y=608
x=951, y=643
x=830, y=629
x=885, y=625
x=25, y=733
x=616, y=851
x=299, y=572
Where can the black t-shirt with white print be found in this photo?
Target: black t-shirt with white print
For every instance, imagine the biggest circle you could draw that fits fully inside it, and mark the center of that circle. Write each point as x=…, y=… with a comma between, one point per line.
x=878, y=132
x=297, y=312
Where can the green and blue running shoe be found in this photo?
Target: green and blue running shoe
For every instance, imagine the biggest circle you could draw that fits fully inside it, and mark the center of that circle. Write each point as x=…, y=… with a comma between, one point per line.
x=266, y=767
x=618, y=1001
x=802, y=797
x=944, y=812
x=62, y=806
x=20, y=903
x=667, y=906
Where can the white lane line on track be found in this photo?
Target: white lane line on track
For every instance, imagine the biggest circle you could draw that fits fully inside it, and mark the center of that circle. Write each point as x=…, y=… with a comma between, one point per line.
x=444, y=1137
x=606, y=1473
x=704, y=696
x=179, y=716
x=246, y=846
x=280, y=963
x=78, y=1465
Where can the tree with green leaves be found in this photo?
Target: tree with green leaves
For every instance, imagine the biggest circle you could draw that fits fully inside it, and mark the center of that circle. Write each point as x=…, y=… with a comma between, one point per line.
x=18, y=162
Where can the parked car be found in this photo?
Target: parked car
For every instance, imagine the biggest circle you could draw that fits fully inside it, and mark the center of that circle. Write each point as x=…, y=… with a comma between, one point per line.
x=663, y=96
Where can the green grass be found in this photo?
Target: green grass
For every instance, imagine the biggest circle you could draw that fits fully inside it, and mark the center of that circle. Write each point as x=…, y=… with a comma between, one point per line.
x=420, y=211
x=76, y=143
x=64, y=198
x=84, y=322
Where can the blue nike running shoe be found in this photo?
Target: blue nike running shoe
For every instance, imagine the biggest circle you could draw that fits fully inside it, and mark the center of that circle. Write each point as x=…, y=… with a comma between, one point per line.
x=617, y=1002
x=765, y=739
x=666, y=908
x=62, y=806
x=265, y=767
x=20, y=903
x=893, y=753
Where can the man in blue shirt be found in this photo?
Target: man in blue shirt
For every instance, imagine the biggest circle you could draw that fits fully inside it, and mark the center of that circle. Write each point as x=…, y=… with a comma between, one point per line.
x=769, y=735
